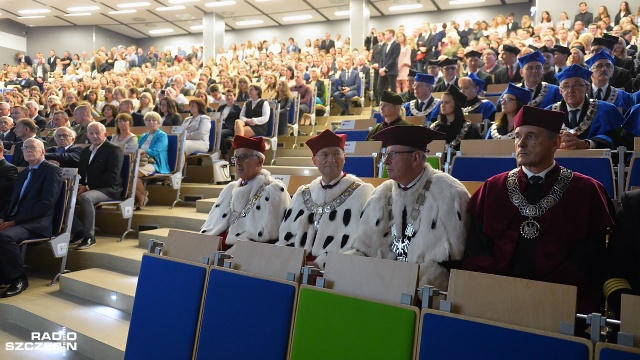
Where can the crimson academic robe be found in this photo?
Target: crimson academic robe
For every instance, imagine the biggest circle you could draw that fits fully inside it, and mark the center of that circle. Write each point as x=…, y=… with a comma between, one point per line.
x=570, y=246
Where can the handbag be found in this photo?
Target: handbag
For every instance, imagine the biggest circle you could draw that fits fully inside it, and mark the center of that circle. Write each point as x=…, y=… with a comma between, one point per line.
x=146, y=159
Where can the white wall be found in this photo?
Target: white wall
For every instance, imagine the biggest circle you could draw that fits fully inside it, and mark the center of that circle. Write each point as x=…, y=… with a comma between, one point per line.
x=317, y=30
x=14, y=39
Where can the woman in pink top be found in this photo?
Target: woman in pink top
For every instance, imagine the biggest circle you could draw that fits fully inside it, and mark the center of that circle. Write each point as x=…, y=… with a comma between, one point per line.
x=404, y=62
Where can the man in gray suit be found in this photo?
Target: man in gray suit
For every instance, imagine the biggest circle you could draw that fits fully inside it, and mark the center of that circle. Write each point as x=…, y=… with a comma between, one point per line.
x=346, y=87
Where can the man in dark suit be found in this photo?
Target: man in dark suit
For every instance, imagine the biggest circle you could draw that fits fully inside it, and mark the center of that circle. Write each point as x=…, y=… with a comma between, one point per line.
x=126, y=106
x=33, y=109
x=22, y=58
x=24, y=81
x=361, y=67
x=7, y=135
x=346, y=87
x=99, y=169
x=425, y=43
x=229, y=113
x=371, y=40
x=584, y=16
x=388, y=66
x=8, y=173
x=28, y=215
x=327, y=43
x=512, y=25
x=65, y=154
x=376, y=55
x=511, y=70
x=52, y=60
x=25, y=129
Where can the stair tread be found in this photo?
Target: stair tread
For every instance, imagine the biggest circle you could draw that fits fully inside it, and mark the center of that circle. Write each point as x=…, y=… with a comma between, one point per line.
x=106, y=279
x=107, y=325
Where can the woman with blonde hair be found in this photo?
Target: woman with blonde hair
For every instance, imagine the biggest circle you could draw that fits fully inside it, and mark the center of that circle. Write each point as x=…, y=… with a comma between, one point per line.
x=284, y=97
x=146, y=103
x=577, y=54
x=404, y=62
x=269, y=90
x=525, y=24
x=602, y=12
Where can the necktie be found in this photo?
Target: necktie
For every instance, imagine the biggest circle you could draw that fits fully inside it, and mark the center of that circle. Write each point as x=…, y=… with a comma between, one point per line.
x=510, y=72
x=535, y=179
x=573, y=118
x=599, y=94
x=60, y=150
x=420, y=105
x=1, y=137
x=14, y=210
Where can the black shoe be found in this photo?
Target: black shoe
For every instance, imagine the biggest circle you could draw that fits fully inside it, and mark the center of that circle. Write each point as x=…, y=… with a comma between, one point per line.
x=76, y=237
x=16, y=287
x=86, y=243
x=343, y=112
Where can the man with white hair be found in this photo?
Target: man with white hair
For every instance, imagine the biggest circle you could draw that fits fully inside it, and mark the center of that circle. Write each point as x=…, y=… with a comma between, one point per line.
x=65, y=153
x=251, y=208
x=33, y=108
x=589, y=123
x=100, y=167
x=424, y=104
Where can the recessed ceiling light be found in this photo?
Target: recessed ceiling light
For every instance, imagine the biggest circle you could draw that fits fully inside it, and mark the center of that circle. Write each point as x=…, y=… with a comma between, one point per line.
x=31, y=17
x=118, y=12
x=405, y=7
x=83, y=8
x=297, y=17
x=220, y=3
x=342, y=13
x=170, y=8
x=249, y=22
x=133, y=5
x=34, y=11
x=78, y=14
x=462, y=2
x=197, y=27
x=181, y=1
x=161, y=31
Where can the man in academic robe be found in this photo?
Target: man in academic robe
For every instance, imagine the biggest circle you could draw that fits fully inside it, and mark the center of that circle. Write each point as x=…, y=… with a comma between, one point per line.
x=424, y=104
x=250, y=208
x=449, y=68
x=543, y=94
x=621, y=77
x=339, y=196
x=418, y=215
x=589, y=123
x=524, y=223
x=602, y=66
x=623, y=252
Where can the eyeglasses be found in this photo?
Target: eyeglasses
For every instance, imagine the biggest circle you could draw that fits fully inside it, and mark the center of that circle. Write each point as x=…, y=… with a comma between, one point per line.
x=325, y=155
x=242, y=158
x=450, y=68
x=393, y=154
x=61, y=136
x=574, y=87
x=150, y=120
x=506, y=99
x=607, y=66
x=29, y=148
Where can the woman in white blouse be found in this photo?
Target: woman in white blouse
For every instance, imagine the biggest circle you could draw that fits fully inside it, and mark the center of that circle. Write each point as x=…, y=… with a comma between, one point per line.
x=254, y=115
x=197, y=127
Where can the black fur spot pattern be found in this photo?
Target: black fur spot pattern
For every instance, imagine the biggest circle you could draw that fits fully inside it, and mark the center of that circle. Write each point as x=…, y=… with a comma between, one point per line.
x=343, y=243
x=288, y=236
x=224, y=215
x=287, y=214
x=433, y=224
x=310, y=218
x=327, y=242
x=303, y=239
x=346, y=218
x=300, y=213
x=459, y=216
x=332, y=215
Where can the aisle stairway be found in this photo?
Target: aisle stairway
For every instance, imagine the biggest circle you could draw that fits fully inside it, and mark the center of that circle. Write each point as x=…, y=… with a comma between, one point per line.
x=95, y=299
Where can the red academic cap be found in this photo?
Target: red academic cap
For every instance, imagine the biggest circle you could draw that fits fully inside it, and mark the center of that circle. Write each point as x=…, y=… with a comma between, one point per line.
x=416, y=137
x=548, y=119
x=242, y=142
x=326, y=139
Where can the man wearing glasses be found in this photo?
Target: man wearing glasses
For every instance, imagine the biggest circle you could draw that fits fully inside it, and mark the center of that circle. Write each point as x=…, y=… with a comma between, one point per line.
x=65, y=154
x=419, y=215
x=323, y=216
x=602, y=65
x=424, y=104
x=250, y=208
x=28, y=215
x=589, y=123
x=449, y=67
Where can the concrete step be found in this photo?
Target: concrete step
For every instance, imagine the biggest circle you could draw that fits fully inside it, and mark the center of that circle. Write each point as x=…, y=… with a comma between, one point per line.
x=101, y=330
x=205, y=205
x=152, y=217
x=161, y=195
x=156, y=234
x=104, y=287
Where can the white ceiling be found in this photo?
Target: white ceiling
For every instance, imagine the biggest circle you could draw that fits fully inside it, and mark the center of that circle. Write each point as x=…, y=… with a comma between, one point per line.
x=148, y=17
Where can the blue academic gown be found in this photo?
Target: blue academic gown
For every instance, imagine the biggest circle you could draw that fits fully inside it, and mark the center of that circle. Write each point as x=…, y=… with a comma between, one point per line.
x=551, y=95
x=617, y=97
x=604, y=126
x=430, y=116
